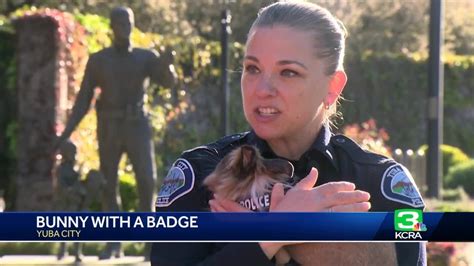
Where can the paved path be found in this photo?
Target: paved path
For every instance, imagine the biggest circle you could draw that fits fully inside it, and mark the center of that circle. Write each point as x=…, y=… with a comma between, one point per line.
x=465, y=249
x=69, y=260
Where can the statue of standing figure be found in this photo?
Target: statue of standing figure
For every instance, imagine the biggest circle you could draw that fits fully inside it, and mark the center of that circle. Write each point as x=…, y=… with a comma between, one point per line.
x=122, y=72
x=70, y=192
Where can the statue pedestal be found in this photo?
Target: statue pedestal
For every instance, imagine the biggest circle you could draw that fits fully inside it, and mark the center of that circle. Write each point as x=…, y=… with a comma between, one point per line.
x=43, y=83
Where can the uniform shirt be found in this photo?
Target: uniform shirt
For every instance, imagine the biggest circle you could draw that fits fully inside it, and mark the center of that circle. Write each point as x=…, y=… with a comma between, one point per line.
x=337, y=158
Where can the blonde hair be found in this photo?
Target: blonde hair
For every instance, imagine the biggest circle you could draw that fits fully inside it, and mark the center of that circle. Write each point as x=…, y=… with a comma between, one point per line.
x=328, y=31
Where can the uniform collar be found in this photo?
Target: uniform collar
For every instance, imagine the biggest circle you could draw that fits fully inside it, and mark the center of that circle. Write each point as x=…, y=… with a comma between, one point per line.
x=320, y=145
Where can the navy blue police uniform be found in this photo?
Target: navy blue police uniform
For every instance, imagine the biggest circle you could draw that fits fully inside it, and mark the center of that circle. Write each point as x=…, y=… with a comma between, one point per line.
x=336, y=157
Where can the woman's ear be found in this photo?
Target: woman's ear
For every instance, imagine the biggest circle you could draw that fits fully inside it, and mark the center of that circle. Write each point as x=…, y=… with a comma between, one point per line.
x=336, y=86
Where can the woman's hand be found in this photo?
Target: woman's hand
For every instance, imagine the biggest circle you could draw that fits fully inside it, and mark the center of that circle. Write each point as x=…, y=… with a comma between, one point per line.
x=304, y=197
x=332, y=197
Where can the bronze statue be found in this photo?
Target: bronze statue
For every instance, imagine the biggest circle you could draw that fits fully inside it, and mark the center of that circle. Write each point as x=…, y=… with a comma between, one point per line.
x=121, y=72
x=93, y=185
x=70, y=192
x=74, y=195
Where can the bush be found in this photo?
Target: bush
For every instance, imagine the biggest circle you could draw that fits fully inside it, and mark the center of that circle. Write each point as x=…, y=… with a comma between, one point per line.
x=128, y=191
x=369, y=137
x=463, y=175
x=452, y=156
x=455, y=194
x=28, y=248
x=399, y=104
x=51, y=248
x=435, y=205
x=8, y=118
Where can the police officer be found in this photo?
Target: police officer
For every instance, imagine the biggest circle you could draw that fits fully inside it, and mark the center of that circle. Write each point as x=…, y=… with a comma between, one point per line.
x=291, y=81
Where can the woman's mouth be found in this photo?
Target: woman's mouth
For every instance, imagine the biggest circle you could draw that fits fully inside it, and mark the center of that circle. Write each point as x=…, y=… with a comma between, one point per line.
x=266, y=113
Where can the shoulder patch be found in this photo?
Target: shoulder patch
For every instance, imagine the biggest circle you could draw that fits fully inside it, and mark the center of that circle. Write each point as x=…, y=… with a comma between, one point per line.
x=398, y=185
x=177, y=183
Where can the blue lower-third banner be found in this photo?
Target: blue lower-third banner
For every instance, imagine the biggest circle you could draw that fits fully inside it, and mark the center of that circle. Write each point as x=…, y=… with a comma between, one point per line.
x=401, y=225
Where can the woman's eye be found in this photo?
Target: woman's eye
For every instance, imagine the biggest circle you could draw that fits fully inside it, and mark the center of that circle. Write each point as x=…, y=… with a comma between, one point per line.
x=289, y=73
x=252, y=69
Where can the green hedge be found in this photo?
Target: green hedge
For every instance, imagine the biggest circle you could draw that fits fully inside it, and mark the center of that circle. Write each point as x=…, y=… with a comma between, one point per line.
x=393, y=90
x=452, y=156
x=463, y=175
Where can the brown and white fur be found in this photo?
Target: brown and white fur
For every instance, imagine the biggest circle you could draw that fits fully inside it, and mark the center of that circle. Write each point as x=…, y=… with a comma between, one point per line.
x=244, y=173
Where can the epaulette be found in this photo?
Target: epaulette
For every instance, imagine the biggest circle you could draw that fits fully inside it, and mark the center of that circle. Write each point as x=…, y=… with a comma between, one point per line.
x=224, y=144
x=228, y=143
x=355, y=152
x=204, y=147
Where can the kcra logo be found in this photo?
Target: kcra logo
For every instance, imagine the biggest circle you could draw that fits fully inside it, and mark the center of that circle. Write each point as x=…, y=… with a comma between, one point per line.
x=409, y=224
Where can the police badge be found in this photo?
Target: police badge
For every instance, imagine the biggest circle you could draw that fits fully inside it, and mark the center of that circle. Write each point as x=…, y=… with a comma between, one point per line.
x=178, y=182
x=398, y=185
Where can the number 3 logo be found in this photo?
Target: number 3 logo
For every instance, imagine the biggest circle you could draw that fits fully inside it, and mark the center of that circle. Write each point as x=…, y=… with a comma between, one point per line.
x=406, y=219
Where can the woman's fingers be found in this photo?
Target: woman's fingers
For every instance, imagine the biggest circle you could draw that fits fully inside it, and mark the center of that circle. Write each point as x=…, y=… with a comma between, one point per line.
x=282, y=257
x=278, y=193
x=350, y=200
x=354, y=207
x=215, y=206
x=334, y=187
x=226, y=205
x=320, y=198
x=348, y=197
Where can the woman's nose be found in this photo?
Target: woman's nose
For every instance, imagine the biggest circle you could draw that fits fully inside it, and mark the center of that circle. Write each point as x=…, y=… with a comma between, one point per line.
x=266, y=87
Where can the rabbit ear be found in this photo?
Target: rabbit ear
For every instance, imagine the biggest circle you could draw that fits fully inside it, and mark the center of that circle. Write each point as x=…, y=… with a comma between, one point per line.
x=279, y=166
x=248, y=156
x=248, y=161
